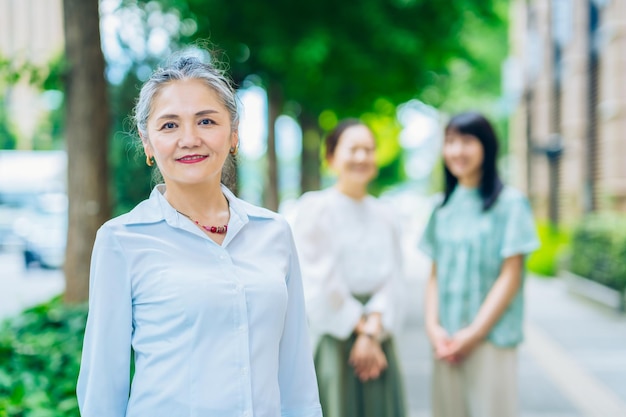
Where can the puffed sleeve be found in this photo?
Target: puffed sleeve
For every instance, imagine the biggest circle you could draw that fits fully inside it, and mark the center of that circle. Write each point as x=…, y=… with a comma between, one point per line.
x=428, y=242
x=520, y=233
x=296, y=378
x=331, y=307
x=104, y=377
x=391, y=299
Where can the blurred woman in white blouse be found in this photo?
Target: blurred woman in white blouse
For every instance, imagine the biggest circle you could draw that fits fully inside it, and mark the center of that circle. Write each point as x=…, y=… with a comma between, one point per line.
x=349, y=248
x=202, y=286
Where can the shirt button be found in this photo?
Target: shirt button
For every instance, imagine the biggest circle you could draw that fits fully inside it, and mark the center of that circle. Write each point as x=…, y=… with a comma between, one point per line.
x=246, y=414
x=242, y=328
x=244, y=371
x=239, y=287
x=222, y=257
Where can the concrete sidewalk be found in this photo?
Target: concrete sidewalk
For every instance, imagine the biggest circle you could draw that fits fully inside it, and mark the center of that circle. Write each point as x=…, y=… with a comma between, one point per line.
x=572, y=363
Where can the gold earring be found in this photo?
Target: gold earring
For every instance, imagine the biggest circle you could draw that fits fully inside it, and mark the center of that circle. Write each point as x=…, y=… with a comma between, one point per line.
x=149, y=161
x=234, y=150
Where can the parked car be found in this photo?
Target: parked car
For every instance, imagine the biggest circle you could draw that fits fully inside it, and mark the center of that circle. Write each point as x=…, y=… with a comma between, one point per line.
x=26, y=179
x=43, y=232
x=13, y=205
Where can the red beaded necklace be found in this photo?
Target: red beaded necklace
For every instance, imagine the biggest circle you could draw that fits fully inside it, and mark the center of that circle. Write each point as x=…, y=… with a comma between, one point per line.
x=220, y=230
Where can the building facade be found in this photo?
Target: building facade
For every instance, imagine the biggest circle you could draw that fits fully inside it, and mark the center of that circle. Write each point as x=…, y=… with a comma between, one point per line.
x=567, y=128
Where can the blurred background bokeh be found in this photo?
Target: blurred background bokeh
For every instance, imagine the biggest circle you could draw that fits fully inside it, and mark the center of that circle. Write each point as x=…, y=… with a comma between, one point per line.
x=550, y=74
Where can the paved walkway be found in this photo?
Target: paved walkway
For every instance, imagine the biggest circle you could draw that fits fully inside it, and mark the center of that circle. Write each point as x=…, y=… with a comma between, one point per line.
x=21, y=288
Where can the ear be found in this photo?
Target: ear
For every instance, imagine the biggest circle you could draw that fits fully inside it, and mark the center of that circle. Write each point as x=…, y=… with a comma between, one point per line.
x=147, y=148
x=330, y=160
x=234, y=139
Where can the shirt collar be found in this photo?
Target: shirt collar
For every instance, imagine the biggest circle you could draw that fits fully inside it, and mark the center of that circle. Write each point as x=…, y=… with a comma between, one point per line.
x=156, y=208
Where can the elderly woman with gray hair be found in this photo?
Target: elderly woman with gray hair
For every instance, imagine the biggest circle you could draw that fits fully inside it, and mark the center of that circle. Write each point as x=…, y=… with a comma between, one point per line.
x=196, y=289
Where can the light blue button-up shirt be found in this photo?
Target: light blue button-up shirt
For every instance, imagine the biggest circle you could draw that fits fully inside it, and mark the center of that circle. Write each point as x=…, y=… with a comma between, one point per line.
x=469, y=246
x=217, y=331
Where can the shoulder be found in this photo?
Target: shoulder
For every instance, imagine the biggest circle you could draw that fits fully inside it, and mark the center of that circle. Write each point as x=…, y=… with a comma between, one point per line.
x=511, y=196
x=313, y=203
x=315, y=197
x=116, y=230
x=133, y=216
x=147, y=211
x=257, y=212
x=250, y=212
x=261, y=218
x=142, y=213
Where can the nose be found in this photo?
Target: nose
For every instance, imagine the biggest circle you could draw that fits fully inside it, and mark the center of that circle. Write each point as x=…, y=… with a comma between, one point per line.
x=454, y=148
x=360, y=155
x=189, y=137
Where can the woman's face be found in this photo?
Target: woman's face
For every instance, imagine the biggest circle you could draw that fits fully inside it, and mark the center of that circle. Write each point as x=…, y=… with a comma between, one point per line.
x=463, y=155
x=189, y=133
x=354, y=159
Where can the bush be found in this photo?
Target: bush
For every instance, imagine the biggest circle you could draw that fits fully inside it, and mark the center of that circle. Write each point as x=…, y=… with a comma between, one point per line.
x=554, y=242
x=39, y=361
x=598, y=250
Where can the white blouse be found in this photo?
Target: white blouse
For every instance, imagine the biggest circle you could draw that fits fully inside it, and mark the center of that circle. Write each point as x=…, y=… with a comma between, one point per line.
x=348, y=248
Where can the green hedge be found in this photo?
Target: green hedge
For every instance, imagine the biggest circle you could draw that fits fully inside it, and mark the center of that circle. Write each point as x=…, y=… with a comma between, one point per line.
x=39, y=361
x=598, y=250
x=554, y=242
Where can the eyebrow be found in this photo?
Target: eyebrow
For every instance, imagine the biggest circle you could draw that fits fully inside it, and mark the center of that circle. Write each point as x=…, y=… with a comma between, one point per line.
x=176, y=116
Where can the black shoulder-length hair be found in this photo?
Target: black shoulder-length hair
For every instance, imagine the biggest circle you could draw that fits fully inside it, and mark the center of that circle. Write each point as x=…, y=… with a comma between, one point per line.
x=475, y=124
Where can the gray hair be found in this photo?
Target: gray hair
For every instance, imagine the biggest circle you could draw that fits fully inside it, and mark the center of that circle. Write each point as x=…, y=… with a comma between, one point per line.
x=188, y=66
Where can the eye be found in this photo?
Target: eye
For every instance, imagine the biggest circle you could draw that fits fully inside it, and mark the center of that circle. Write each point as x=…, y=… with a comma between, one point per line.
x=207, y=122
x=168, y=125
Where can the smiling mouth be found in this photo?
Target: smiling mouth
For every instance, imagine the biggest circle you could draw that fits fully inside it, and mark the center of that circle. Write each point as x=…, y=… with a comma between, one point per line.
x=190, y=159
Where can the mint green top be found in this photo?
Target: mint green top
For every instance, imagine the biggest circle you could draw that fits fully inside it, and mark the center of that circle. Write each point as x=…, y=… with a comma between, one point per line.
x=469, y=246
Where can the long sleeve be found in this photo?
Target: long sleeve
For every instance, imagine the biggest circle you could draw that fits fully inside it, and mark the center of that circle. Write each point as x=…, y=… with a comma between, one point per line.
x=331, y=307
x=104, y=378
x=298, y=384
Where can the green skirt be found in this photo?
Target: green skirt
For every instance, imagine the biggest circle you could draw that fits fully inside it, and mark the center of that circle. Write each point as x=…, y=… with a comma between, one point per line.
x=342, y=394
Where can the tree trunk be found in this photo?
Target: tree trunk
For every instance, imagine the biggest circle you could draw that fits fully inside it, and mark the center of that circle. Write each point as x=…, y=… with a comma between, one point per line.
x=87, y=134
x=311, y=145
x=274, y=107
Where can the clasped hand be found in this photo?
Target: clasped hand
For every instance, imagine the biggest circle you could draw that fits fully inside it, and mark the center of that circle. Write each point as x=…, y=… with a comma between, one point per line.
x=456, y=348
x=367, y=356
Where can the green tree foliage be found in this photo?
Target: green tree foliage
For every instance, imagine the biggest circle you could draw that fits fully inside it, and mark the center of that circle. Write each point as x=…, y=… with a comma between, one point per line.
x=131, y=177
x=8, y=139
x=472, y=79
x=340, y=56
x=50, y=131
x=46, y=78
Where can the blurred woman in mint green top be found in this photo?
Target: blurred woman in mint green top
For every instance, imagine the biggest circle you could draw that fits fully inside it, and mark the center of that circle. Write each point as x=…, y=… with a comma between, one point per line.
x=477, y=237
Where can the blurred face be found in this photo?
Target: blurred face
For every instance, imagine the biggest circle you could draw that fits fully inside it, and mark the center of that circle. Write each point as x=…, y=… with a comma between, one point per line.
x=354, y=158
x=463, y=155
x=189, y=133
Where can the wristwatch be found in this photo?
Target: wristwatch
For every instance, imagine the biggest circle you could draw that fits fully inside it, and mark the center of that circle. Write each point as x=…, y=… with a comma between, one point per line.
x=371, y=335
